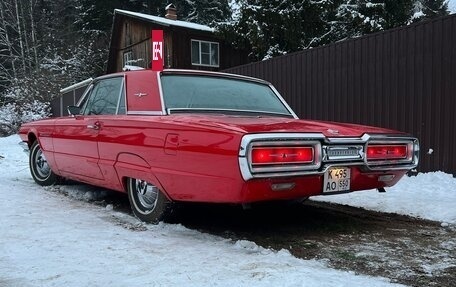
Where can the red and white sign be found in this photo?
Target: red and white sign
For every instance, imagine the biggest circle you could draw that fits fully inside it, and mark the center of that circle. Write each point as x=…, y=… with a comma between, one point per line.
x=157, y=50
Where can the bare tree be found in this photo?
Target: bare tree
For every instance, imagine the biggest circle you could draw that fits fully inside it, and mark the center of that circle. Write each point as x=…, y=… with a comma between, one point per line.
x=21, y=42
x=24, y=34
x=33, y=28
x=5, y=41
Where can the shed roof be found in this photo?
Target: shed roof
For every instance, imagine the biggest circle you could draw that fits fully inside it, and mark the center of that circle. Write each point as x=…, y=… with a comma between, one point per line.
x=164, y=21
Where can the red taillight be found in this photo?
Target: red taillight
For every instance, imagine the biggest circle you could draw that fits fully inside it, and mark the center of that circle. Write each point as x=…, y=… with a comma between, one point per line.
x=386, y=152
x=281, y=155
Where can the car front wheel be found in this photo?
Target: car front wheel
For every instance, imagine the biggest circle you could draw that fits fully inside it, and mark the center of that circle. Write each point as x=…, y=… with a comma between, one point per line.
x=39, y=167
x=147, y=201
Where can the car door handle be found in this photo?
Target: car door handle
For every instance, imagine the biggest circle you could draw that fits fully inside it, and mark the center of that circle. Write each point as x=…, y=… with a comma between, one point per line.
x=95, y=126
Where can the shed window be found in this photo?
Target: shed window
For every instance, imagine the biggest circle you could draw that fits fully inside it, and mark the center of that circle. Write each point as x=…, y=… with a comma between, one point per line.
x=205, y=53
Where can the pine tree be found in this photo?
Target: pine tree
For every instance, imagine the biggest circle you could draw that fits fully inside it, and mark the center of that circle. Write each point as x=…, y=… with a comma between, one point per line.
x=208, y=12
x=359, y=17
x=398, y=12
x=273, y=27
x=434, y=8
x=96, y=15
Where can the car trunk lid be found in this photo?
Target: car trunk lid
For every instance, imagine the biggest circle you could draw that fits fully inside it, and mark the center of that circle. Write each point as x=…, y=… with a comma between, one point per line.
x=267, y=124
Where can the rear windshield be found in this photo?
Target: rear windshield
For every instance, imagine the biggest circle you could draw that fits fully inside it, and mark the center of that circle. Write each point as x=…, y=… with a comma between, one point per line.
x=206, y=94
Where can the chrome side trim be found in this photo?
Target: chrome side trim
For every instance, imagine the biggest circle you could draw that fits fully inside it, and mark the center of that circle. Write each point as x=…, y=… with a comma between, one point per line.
x=81, y=99
x=323, y=169
x=247, y=139
x=122, y=88
x=77, y=85
x=283, y=101
x=160, y=91
x=170, y=110
x=145, y=113
x=210, y=73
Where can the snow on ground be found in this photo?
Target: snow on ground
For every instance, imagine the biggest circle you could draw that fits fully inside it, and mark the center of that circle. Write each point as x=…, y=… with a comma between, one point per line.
x=48, y=239
x=428, y=195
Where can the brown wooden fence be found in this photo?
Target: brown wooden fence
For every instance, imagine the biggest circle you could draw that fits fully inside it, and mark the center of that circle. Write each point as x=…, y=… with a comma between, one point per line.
x=403, y=79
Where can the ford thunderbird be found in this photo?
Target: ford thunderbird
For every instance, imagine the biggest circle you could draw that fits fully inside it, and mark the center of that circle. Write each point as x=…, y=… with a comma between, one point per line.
x=192, y=136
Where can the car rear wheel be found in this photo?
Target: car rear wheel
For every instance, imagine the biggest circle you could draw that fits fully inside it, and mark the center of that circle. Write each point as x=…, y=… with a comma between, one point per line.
x=39, y=167
x=147, y=201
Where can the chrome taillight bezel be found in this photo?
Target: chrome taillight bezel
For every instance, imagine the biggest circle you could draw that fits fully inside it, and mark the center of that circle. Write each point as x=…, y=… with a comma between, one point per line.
x=323, y=160
x=411, y=159
x=249, y=142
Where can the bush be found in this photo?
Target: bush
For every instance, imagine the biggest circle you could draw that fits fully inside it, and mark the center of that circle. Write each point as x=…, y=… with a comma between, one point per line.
x=13, y=115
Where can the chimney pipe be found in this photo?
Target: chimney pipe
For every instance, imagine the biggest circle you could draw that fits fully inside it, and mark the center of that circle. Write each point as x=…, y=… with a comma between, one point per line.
x=171, y=12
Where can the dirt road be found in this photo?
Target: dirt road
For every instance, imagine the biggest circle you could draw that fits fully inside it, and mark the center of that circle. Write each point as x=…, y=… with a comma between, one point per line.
x=406, y=250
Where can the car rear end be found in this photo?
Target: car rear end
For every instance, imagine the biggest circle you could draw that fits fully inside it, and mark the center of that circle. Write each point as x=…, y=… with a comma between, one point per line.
x=294, y=165
x=277, y=155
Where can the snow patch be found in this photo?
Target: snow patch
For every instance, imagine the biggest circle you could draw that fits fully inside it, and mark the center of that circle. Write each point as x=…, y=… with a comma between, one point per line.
x=427, y=195
x=132, y=68
x=165, y=21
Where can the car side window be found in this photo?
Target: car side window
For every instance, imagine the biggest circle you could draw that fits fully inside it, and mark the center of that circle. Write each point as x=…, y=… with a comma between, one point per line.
x=122, y=109
x=104, y=98
x=83, y=102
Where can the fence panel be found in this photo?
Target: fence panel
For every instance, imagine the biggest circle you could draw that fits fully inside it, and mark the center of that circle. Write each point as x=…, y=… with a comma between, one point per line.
x=402, y=79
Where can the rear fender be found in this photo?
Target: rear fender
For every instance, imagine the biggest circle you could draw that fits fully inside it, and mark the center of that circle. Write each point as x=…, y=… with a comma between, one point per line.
x=129, y=165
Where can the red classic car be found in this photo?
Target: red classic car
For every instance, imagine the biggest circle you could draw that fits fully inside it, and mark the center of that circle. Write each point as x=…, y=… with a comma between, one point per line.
x=176, y=136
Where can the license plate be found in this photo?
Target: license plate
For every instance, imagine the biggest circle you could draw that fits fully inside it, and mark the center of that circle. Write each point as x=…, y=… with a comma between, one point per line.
x=337, y=179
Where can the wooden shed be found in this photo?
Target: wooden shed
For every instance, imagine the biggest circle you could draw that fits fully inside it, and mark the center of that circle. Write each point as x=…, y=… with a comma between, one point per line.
x=186, y=45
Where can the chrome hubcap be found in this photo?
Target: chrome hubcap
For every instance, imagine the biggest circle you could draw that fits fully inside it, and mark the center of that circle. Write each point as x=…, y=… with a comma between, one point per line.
x=42, y=167
x=147, y=194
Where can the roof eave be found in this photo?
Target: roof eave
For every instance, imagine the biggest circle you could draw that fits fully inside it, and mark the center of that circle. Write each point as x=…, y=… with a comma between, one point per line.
x=124, y=13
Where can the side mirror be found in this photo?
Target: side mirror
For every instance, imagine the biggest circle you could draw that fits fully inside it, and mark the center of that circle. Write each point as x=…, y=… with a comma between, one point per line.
x=73, y=110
